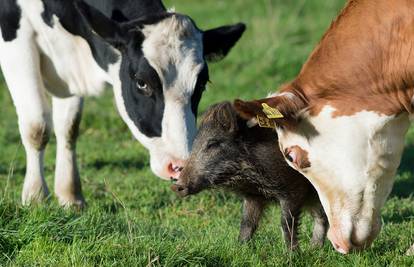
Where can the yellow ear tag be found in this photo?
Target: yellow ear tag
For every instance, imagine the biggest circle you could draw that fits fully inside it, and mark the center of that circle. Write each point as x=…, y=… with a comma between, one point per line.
x=271, y=113
x=265, y=122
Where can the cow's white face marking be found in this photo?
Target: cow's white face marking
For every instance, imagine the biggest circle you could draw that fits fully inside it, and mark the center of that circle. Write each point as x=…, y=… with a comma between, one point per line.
x=173, y=48
x=353, y=162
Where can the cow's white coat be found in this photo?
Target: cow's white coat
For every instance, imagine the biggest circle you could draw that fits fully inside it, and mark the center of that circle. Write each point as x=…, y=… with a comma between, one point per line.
x=43, y=59
x=353, y=158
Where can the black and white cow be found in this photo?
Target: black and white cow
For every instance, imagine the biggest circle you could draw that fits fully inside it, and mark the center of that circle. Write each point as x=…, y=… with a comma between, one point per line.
x=154, y=59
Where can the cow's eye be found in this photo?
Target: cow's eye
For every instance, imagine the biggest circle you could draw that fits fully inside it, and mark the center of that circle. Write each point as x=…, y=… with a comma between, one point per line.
x=289, y=158
x=289, y=155
x=144, y=88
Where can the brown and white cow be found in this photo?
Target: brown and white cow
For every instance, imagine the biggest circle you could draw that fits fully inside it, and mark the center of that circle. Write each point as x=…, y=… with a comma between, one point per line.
x=347, y=112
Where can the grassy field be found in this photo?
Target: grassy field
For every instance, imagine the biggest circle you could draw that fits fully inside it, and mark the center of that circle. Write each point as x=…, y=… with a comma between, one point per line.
x=133, y=219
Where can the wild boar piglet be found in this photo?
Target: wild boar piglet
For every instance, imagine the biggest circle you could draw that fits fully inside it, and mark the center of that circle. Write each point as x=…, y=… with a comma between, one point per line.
x=228, y=154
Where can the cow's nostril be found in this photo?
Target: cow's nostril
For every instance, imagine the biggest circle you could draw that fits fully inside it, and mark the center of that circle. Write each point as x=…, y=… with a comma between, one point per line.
x=174, y=170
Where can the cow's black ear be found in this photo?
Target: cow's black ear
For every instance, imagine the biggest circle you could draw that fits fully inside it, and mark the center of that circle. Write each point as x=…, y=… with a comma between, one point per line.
x=219, y=41
x=103, y=26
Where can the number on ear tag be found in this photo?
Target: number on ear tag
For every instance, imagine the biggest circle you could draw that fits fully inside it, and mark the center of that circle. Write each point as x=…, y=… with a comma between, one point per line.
x=265, y=122
x=271, y=113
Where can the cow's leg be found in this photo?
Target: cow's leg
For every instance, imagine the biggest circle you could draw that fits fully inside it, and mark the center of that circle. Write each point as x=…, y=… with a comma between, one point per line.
x=66, y=119
x=19, y=60
x=252, y=212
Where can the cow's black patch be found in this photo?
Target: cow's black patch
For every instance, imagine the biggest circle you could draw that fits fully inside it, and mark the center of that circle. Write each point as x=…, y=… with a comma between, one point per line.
x=127, y=9
x=144, y=107
x=120, y=11
x=145, y=110
x=202, y=80
x=10, y=15
x=72, y=21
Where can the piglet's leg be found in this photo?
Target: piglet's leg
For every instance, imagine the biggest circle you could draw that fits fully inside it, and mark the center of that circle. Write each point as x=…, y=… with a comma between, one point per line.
x=320, y=226
x=252, y=212
x=290, y=221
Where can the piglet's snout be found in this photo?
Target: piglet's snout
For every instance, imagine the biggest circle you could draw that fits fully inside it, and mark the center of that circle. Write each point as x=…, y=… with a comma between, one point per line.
x=180, y=189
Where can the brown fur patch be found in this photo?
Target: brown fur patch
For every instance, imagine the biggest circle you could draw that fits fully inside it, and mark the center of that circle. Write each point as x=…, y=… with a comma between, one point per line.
x=73, y=132
x=365, y=61
x=289, y=106
x=301, y=158
x=39, y=136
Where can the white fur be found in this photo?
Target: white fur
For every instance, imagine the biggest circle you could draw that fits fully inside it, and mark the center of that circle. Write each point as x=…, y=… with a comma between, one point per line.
x=66, y=114
x=68, y=66
x=43, y=58
x=356, y=156
x=20, y=64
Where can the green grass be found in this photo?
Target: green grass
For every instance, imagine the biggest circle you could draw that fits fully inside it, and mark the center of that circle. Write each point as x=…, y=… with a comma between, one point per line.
x=133, y=219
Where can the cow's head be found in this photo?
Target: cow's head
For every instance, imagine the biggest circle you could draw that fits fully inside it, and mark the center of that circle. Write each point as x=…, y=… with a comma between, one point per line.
x=160, y=78
x=350, y=159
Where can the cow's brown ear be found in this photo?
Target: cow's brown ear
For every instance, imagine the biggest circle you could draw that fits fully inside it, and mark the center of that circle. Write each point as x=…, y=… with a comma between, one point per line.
x=248, y=109
x=267, y=107
x=280, y=108
x=283, y=110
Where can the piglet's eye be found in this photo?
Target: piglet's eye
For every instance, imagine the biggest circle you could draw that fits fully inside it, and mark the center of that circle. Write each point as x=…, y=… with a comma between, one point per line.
x=213, y=144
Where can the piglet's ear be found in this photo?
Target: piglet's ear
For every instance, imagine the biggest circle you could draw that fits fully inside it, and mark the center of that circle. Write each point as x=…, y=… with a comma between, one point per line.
x=222, y=115
x=225, y=115
x=219, y=41
x=103, y=26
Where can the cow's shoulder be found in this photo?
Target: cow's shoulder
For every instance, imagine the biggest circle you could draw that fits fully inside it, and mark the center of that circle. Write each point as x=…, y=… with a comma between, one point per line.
x=10, y=15
x=127, y=9
x=71, y=20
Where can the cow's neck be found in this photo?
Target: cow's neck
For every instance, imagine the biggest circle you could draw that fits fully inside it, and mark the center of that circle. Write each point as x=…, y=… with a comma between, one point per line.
x=363, y=62
x=102, y=52
x=65, y=12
